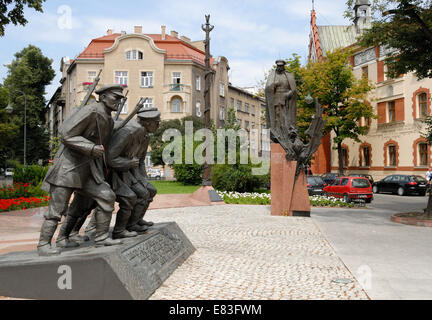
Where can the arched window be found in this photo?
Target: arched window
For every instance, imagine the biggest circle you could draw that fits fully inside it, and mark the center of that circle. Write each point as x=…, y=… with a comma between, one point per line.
x=176, y=105
x=198, y=109
x=423, y=154
x=422, y=100
x=392, y=156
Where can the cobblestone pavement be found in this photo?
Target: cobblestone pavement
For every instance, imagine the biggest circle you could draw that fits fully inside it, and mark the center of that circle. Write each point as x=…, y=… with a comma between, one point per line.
x=244, y=253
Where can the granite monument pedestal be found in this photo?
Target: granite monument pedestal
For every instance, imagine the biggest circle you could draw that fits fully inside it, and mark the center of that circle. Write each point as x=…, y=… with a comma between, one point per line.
x=133, y=270
x=288, y=197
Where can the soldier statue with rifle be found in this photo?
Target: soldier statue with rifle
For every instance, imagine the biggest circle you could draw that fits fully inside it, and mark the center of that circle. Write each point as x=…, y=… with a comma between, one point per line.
x=126, y=143
x=80, y=165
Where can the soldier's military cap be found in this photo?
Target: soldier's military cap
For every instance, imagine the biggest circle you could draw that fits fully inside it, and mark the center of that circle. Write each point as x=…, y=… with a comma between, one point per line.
x=113, y=88
x=148, y=113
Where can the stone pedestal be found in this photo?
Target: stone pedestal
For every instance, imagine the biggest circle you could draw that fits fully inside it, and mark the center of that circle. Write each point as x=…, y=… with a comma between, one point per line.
x=288, y=197
x=133, y=270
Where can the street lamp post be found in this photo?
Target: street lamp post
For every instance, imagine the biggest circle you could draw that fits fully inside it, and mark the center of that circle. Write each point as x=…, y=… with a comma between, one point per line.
x=9, y=109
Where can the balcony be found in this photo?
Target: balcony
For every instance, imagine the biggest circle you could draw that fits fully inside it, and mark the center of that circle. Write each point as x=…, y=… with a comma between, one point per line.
x=176, y=87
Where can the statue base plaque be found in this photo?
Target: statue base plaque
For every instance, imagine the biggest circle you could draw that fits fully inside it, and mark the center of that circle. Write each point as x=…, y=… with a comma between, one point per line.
x=288, y=197
x=133, y=270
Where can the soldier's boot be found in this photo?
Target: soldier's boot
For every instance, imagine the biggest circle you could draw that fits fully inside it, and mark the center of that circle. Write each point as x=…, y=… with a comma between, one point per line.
x=90, y=230
x=103, y=220
x=63, y=240
x=122, y=219
x=47, y=232
x=141, y=221
x=136, y=216
x=74, y=235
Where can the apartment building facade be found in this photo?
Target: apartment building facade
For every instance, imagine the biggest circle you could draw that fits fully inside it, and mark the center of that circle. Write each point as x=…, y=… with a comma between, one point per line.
x=394, y=143
x=166, y=69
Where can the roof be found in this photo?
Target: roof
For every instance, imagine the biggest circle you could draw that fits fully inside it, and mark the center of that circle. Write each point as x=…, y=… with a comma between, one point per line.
x=332, y=37
x=176, y=49
x=327, y=38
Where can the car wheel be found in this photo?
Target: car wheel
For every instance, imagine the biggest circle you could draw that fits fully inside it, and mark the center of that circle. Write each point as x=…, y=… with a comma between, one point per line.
x=400, y=191
x=375, y=189
x=368, y=200
x=346, y=198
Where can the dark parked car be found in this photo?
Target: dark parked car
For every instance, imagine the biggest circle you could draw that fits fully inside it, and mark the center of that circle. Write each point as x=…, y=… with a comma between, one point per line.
x=401, y=184
x=329, y=177
x=315, y=185
x=367, y=176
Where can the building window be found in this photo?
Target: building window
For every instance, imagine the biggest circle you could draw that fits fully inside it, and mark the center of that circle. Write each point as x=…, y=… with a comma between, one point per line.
x=176, y=105
x=253, y=125
x=366, y=156
x=121, y=77
x=198, y=109
x=198, y=83
x=247, y=107
x=391, y=111
x=221, y=89
x=239, y=105
x=134, y=55
x=124, y=109
x=392, y=155
x=423, y=152
x=176, y=78
x=246, y=124
x=222, y=113
x=148, y=103
x=344, y=157
x=147, y=79
x=232, y=102
x=423, y=105
x=91, y=75
x=365, y=72
x=253, y=110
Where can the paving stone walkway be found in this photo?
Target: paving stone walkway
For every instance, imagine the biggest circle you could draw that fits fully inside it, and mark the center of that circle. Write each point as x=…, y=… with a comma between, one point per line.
x=244, y=253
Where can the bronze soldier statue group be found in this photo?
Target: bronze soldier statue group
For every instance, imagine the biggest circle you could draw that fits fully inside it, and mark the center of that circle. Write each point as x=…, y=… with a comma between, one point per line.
x=99, y=165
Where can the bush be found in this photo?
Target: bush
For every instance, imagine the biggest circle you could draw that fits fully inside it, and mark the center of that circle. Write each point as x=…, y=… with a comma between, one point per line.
x=188, y=174
x=236, y=177
x=33, y=174
x=18, y=190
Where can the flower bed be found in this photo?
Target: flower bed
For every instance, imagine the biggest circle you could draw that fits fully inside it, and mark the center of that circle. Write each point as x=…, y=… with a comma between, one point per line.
x=265, y=199
x=19, y=190
x=230, y=197
x=23, y=203
x=321, y=201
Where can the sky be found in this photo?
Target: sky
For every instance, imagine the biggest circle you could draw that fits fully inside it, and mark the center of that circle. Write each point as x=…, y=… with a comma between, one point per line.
x=251, y=34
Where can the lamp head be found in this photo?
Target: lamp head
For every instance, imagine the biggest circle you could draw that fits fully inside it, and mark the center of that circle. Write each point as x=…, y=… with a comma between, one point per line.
x=9, y=108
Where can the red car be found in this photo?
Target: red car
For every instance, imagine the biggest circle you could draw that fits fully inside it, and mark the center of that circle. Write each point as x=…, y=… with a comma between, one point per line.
x=350, y=188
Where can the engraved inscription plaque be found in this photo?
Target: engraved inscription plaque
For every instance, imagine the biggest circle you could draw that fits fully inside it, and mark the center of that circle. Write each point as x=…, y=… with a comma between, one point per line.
x=155, y=251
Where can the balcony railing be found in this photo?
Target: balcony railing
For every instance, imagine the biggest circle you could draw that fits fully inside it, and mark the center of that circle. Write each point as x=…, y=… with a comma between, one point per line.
x=176, y=87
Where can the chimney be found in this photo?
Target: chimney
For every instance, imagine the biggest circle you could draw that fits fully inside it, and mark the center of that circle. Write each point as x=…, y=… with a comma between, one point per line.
x=138, y=29
x=109, y=32
x=163, y=32
x=185, y=39
x=123, y=33
x=174, y=34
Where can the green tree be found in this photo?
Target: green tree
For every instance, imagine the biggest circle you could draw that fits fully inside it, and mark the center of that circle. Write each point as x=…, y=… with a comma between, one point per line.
x=405, y=25
x=9, y=129
x=29, y=73
x=342, y=95
x=12, y=11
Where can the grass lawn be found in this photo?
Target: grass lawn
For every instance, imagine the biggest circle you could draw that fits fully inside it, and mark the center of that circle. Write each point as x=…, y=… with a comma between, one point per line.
x=170, y=187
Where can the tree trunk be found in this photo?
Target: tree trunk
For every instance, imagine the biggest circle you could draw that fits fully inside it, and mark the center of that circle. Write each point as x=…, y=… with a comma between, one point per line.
x=340, y=158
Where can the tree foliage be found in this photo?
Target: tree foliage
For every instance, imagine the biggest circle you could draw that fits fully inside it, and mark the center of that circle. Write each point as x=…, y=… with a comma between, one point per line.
x=343, y=96
x=12, y=11
x=405, y=25
x=28, y=75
